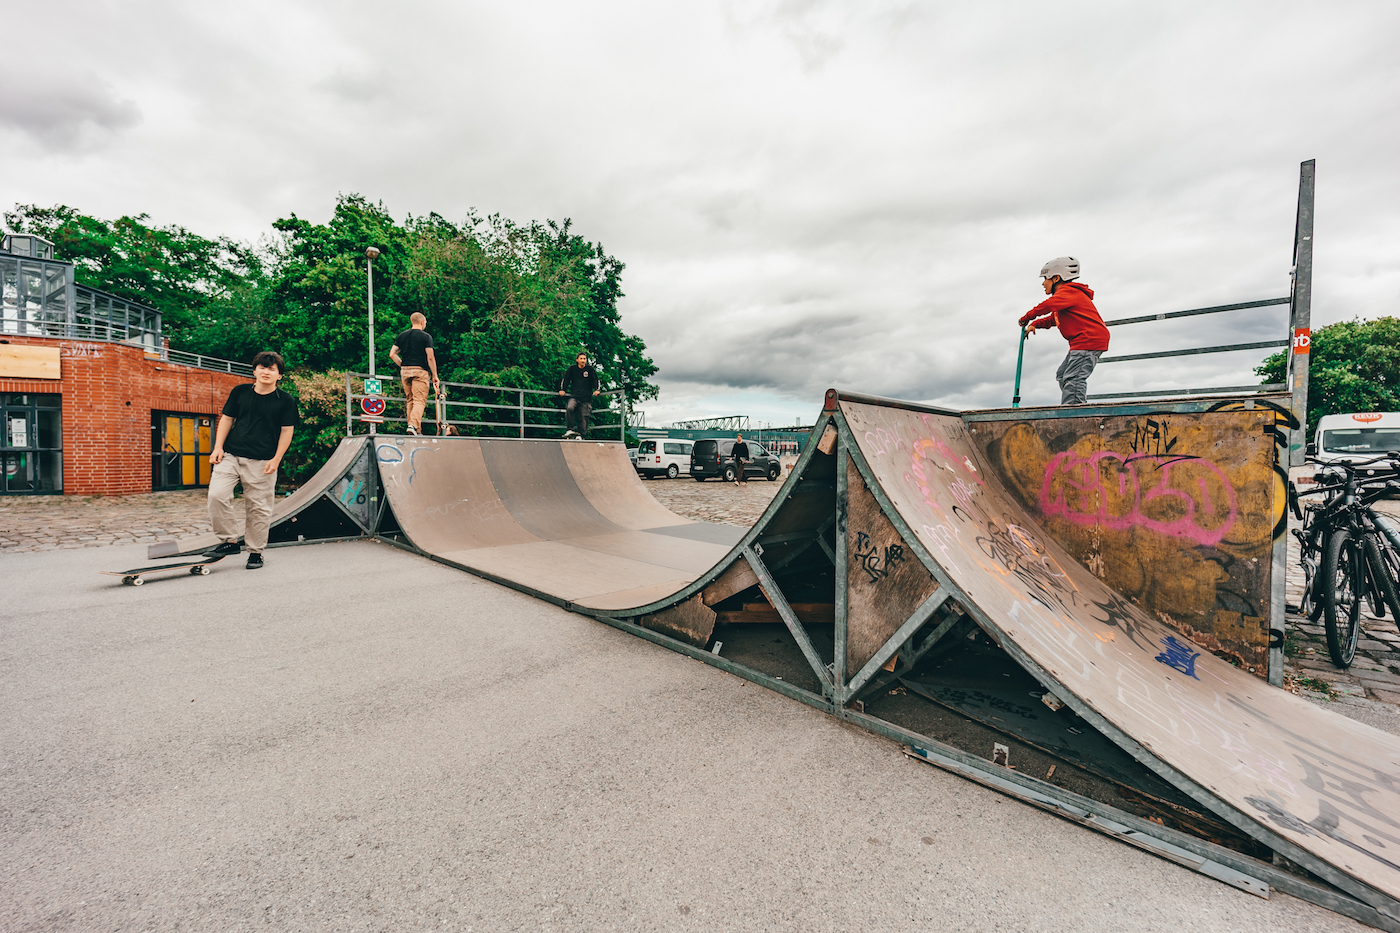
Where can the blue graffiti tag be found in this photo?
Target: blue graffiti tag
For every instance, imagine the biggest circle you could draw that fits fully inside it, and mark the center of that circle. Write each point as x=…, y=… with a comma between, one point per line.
x=1179, y=656
x=388, y=453
x=352, y=489
x=412, y=456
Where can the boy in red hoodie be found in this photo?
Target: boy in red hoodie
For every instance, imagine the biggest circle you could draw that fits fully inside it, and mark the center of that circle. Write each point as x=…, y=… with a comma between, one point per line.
x=1070, y=307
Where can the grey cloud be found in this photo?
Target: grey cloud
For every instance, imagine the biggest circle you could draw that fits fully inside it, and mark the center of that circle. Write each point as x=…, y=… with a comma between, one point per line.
x=63, y=110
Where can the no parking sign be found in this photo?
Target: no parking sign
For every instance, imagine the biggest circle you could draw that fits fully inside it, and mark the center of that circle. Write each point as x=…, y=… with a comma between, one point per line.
x=373, y=407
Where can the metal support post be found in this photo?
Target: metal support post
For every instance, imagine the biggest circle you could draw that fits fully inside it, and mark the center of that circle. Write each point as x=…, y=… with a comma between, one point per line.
x=841, y=566
x=779, y=602
x=521, y=411
x=1278, y=601
x=1300, y=318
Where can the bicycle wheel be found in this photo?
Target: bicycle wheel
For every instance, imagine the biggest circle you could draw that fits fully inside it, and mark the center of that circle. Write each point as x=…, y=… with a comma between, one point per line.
x=1383, y=574
x=1342, y=582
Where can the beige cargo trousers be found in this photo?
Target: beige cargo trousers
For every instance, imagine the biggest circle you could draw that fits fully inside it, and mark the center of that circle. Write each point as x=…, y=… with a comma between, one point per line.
x=259, y=496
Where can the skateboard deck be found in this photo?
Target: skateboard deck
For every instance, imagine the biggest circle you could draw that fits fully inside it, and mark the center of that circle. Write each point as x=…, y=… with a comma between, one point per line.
x=441, y=414
x=136, y=577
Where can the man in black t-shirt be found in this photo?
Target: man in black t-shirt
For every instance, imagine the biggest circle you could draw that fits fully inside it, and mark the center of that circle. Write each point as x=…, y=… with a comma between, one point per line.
x=254, y=432
x=580, y=384
x=741, y=456
x=418, y=358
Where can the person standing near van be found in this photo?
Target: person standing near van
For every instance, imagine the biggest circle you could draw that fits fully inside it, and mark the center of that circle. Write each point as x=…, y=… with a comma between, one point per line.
x=742, y=457
x=580, y=384
x=254, y=432
x=1070, y=307
x=417, y=360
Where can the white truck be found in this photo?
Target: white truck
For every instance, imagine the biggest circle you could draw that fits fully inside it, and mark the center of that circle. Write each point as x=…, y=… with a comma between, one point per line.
x=1356, y=436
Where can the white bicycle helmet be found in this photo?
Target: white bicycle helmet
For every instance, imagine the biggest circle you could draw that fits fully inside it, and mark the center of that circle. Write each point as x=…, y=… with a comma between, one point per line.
x=1066, y=267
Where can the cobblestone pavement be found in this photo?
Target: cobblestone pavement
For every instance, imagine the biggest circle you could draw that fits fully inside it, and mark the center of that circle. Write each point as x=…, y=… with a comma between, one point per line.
x=41, y=523
x=47, y=523
x=714, y=500
x=1375, y=674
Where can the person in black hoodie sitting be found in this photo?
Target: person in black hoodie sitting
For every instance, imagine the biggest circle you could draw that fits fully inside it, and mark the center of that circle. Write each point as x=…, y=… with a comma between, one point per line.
x=580, y=384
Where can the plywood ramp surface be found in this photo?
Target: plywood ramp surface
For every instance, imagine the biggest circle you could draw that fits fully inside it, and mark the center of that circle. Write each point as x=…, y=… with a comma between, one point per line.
x=564, y=519
x=1322, y=781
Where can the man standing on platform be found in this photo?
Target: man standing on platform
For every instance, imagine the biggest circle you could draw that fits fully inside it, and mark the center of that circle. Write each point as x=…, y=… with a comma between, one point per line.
x=254, y=432
x=418, y=359
x=580, y=384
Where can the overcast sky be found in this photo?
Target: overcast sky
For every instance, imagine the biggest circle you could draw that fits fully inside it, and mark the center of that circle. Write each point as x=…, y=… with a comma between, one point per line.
x=805, y=193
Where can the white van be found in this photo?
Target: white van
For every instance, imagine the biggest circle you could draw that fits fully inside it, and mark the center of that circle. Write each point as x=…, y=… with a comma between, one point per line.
x=1354, y=437
x=664, y=457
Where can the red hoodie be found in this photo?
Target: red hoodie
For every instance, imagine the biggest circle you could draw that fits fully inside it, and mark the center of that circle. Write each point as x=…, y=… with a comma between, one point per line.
x=1072, y=310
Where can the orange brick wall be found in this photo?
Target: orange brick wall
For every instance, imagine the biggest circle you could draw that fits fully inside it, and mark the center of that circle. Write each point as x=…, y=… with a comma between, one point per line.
x=109, y=391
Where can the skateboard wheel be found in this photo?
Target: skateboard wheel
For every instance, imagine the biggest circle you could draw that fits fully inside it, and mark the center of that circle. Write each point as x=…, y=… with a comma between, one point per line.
x=204, y=571
x=136, y=581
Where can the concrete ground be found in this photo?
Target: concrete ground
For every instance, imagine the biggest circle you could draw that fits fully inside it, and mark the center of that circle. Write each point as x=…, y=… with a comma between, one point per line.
x=356, y=738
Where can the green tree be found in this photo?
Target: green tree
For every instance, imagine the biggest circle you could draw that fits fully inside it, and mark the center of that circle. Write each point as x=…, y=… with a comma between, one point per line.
x=1355, y=366
x=508, y=304
x=179, y=273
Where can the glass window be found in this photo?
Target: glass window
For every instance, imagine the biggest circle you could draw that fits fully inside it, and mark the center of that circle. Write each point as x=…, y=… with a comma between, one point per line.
x=31, y=455
x=647, y=447
x=672, y=449
x=9, y=295
x=31, y=295
x=1361, y=440
x=55, y=293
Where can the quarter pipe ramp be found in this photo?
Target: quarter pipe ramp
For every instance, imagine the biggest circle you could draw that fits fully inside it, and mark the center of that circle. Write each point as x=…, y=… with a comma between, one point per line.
x=892, y=536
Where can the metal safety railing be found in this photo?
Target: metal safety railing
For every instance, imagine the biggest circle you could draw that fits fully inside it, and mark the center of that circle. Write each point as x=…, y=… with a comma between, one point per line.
x=479, y=410
x=1298, y=338
x=1194, y=351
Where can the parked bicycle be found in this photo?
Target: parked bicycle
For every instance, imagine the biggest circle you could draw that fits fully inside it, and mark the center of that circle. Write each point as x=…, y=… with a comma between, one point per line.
x=1350, y=554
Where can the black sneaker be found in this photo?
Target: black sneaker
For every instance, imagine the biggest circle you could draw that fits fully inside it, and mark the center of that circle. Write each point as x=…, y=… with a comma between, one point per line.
x=255, y=561
x=228, y=547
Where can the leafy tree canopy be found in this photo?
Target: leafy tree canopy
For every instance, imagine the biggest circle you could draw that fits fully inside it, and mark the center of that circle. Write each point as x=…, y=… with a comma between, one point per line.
x=1355, y=366
x=177, y=272
x=507, y=303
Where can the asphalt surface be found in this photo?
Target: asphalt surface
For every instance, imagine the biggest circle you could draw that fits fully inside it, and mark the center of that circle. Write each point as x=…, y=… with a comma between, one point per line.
x=356, y=738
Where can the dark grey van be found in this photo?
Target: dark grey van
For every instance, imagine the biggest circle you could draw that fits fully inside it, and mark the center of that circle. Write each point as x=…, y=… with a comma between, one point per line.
x=711, y=457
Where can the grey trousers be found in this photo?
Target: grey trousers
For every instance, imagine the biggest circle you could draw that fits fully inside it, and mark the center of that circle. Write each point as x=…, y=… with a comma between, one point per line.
x=1073, y=375
x=576, y=414
x=259, y=496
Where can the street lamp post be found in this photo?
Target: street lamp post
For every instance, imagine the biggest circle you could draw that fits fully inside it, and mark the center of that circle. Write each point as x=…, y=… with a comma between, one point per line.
x=370, y=255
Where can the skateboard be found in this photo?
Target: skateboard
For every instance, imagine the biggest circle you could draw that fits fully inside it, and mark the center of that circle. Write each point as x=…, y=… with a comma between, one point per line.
x=135, y=577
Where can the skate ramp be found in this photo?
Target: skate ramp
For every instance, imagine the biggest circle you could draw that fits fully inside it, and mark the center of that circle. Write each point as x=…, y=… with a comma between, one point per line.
x=899, y=505
x=565, y=520
x=340, y=500
x=1319, y=787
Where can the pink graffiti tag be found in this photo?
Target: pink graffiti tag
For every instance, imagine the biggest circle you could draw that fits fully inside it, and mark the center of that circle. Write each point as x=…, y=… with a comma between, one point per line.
x=1109, y=489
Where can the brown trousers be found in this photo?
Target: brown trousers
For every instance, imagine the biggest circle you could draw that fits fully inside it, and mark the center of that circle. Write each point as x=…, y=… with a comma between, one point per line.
x=416, y=382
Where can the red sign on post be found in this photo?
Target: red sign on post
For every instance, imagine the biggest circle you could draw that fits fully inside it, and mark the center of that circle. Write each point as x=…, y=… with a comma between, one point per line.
x=1302, y=340
x=372, y=405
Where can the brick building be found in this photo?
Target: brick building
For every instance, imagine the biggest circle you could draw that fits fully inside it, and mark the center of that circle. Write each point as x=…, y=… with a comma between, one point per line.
x=91, y=400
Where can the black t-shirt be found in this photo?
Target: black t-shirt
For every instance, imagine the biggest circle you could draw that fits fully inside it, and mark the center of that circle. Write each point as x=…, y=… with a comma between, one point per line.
x=258, y=421
x=414, y=345
x=580, y=383
x=740, y=451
